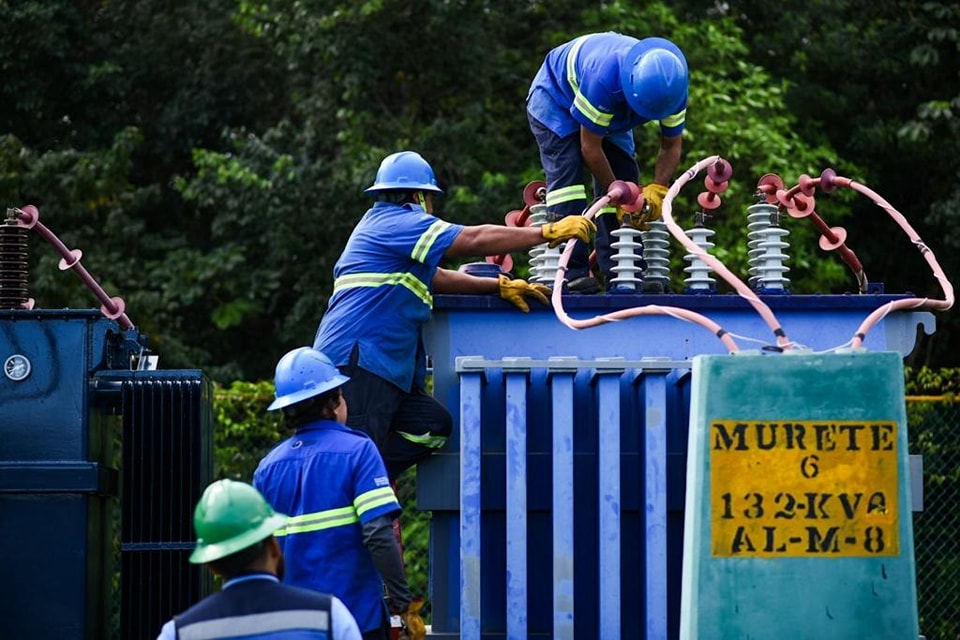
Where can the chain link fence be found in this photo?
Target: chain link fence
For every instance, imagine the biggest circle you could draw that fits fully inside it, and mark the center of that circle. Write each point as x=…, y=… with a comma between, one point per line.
x=934, y=433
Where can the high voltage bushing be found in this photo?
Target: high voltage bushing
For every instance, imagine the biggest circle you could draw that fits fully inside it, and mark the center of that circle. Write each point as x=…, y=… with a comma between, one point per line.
x=14, y=279
x=656, y=253
x=544, y=261
x=699, y=279
x=766, y=249
x=628, y=259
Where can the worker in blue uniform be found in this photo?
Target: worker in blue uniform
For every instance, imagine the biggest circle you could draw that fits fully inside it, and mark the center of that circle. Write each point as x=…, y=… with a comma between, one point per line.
x=583, y=105
x=235, y=539
x=331, y=481
x=383, y=289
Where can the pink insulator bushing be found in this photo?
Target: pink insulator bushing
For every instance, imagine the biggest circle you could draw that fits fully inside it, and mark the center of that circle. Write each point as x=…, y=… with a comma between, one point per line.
x=30, y=216
x=515, y=218
x=808, y=185
x=769, y=184
x=708, y=200
x=505, y=261
x=716, y=187
x=118, y=307
x=828, y=180
x=535, y=192
x=720, y=171
x=626, y=194
x=839, y=237
x=75, y=254
x=799, y=206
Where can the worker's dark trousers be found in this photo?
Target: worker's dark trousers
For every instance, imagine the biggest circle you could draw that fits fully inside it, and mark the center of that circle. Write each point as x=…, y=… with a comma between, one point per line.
x=563, y=166
x=406, y=427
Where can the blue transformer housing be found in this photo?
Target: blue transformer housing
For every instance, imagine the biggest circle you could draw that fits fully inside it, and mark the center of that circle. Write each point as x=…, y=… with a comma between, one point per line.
x=57, y=471
x=557, y=506
x=82, y=433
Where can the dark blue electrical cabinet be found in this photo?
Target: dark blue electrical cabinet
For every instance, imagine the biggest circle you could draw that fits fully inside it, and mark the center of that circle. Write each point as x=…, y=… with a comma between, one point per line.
x=79, y=427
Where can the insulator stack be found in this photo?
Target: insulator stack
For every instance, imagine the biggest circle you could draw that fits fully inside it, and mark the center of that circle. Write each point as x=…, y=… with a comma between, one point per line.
x=656, y=253
x=13, y=266
x=628, y=260
x=698, y=272
x=766, y=249
x=544, y=261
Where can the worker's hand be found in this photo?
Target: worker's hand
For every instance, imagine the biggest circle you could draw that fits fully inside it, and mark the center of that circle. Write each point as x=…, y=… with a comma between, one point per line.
x=569, y=227
x=514, y=291
x=413, y=627
x=638, y=220
x=653, y=195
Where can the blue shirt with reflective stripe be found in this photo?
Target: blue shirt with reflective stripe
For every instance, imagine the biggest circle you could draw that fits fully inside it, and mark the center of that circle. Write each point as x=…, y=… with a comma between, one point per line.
x=382, y=295
x=329, y=479
x=597, y=69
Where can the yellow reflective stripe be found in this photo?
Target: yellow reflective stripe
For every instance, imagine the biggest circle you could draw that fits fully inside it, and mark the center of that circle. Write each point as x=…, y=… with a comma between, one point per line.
x=566, y=194
x=427, y=439
x=373, y=499
x=593, y=114
x=319, y=520
x=674, y=120
x=426, y=240
x=408, y=280
x=606, y=210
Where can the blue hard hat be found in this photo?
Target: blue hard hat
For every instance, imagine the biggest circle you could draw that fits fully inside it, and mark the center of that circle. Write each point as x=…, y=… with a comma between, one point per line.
x=302, y=374
x=654, y=77
x=407, y=171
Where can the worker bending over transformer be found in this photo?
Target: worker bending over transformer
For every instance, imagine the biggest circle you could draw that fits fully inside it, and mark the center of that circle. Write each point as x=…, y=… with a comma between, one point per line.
x=583, y=105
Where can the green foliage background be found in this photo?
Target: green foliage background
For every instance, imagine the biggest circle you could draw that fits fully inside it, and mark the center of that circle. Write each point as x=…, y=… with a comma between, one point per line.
x=209, y=158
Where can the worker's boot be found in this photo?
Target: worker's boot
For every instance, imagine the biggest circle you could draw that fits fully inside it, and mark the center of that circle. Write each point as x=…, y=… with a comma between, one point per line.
x=584, y=285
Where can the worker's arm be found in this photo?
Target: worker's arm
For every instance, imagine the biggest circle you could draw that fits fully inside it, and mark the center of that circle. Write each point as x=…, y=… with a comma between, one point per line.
x=450, y=281
x=492, y=239
x=668, y=159
x=380, y=541
x=591, y=148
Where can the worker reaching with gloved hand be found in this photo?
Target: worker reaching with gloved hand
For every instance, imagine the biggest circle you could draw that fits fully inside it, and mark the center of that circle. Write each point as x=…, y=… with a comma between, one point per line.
x=383, y=289
x=583, y=105
x=331, y=481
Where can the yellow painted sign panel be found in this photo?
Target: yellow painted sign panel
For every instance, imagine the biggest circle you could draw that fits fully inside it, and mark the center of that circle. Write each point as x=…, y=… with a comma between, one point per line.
x=811, y=489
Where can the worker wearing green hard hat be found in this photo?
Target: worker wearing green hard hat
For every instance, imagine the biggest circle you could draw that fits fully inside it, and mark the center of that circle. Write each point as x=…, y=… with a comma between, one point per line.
x=235, y=528
x=229, y=517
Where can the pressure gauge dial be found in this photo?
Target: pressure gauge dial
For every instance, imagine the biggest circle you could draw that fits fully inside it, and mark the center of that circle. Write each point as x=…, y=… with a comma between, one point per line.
x=17, y=367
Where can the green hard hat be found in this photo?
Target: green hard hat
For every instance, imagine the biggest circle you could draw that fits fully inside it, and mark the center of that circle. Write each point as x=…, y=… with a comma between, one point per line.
x=230, y=517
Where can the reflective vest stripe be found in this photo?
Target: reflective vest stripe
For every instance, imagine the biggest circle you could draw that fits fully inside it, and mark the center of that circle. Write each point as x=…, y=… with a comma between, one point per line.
x=606, y=210
x=407, y=280
x=319, y=520
x=373, y=499
x=427, y=439
x=426, y=240
x=566, y=194
x=675, y=120
x=341, y=516
x=257, y=623
x=595, y=116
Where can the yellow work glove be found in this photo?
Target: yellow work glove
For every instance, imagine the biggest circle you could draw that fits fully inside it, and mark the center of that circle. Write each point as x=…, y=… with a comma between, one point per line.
x=413, y=627
x=570, y=227
x=514, y=291
x=653, y=195
x=636, y=220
